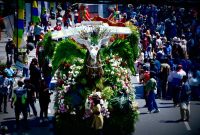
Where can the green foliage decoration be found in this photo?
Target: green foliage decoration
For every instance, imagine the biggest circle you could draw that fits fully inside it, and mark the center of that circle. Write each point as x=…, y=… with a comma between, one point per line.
x=67, y=51
x=49, y=45
x=127, y=49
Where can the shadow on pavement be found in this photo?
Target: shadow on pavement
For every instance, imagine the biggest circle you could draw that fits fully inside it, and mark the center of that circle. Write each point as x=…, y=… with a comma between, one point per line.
x=165, y=103
x=143, y=113
x=11, y=118
x=166, y=106
x=170, y=121
x=10, y=125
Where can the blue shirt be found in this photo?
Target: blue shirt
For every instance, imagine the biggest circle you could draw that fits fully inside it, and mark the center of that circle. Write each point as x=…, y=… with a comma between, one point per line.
x=185, y=93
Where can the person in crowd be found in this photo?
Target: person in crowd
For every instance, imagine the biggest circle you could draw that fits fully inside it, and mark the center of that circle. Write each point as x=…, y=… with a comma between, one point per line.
x=35, y=75
x=47, y=71
x=45, y=19
x=10, y=73
x=185, y=95
x=31, y=96
x=44, y=100
x=40, y=54
x=76, y=16
x=124, y=18
x=83, y=13
x=19, y=100
x=25, y=69
x=30, y=32
x=176, y=81
x=144, y=79
x=37, y=32
x=9, y=48
x=194, y=84
x=151, y=90
x=4, y=86
x=168, y=49
x=164, y=73
x=1, y=26
x=52, y=13
x=159, y=43
x=67, y=18
x=58, y=27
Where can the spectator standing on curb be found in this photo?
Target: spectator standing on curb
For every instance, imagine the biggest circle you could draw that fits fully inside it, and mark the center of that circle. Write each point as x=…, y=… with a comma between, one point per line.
x=4, y=86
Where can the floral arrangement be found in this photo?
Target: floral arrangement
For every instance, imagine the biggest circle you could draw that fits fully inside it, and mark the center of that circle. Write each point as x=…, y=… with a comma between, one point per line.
x=116, y=97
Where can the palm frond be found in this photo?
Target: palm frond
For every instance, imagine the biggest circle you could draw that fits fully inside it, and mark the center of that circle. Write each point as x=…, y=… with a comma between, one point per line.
x=127, y=49
x=67, y=51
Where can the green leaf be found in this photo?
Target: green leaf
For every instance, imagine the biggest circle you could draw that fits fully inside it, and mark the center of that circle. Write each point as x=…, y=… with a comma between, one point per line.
x=67, y=51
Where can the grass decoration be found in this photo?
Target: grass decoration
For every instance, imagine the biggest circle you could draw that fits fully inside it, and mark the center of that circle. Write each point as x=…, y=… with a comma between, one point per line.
x=66, y=51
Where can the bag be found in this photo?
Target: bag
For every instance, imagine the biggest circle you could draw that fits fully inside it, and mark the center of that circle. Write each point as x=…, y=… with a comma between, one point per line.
x=155, y=91
x=183, y=106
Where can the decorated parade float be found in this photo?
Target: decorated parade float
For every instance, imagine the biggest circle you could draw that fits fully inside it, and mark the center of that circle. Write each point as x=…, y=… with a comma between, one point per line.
x=94, y=60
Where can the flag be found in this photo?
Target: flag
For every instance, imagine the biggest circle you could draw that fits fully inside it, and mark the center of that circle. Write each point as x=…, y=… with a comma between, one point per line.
x=52, y=5
x=19, y=25
x=35, y=15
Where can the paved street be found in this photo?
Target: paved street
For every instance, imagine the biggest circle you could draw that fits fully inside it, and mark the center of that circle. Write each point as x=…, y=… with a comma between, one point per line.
x=163, y=123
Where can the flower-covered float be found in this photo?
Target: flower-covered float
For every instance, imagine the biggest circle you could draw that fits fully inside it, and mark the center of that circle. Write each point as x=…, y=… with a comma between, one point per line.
x=94, y=60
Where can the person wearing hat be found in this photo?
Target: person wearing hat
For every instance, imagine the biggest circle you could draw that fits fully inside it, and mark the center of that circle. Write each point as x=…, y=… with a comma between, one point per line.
x=9, y=48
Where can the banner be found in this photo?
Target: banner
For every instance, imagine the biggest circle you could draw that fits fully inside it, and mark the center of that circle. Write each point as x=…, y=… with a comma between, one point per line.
x=9, y=25
x=35, y=14
x=28, y=13
x=19, y=24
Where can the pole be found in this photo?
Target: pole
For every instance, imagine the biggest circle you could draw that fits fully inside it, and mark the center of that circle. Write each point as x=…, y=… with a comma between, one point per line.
x=17, y=29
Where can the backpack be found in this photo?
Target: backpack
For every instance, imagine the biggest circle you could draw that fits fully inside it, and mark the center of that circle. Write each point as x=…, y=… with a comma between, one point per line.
x=20, y=95
x=3, y=88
